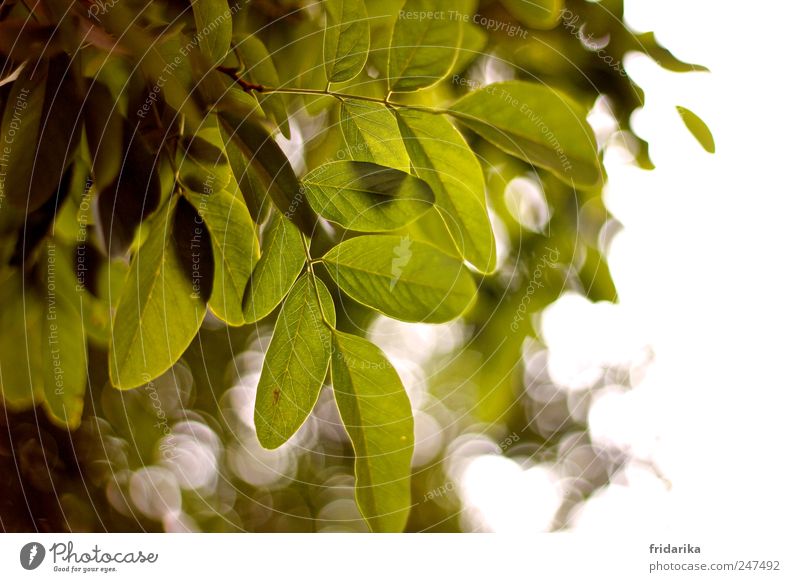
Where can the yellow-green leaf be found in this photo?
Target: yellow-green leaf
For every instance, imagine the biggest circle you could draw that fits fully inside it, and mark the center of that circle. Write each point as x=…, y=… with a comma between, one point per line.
x=371, y=134
x=104, y=134
x=20, y=343
x=536, y=123
x=540, y=14
x=263, y=172
x=282, y=260
x=376, y=414
x=295, y=364
x=698, y=129
x=259, y=69
x=346, y=39
x=441, y=157
x=424, y=46
x=163, y=301
x=402, y=278
x=366, y=197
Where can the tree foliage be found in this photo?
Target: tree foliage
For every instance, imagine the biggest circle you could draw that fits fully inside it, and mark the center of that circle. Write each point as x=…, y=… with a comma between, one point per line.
x=159, y=176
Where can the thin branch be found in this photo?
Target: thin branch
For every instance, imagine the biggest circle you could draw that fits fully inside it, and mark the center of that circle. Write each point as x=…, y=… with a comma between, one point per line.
x=257, y=88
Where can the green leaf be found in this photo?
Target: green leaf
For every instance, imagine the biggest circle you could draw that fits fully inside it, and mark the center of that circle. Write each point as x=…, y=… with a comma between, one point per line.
x=595, y=276
x=20, y=132
x=473, y=42
x=261, y=168
x=538, y=124
x=296, y=362
x=376, y=413
x=104, y=134
x=236, y=250
x=366, y=197
x=202, y=152
x=282, y=260
x=163, y=301
x=259, y=69
x=404, y=279
x=64, y=361
x=371, y=134
x=424, y=45
x=646, y=43
x=59, y=134
x=539, y=14
x=132, y=197
x=346, y=39
x=442, y=158
x=214, y=26
x=20, y=343
x=698, y=129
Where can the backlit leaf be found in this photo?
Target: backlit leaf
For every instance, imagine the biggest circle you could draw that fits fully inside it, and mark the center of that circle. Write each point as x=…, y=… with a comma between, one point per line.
x=21, y=318
x=164, y=298
x=371, y=134
x=346, y=39
x=404, y=279
x=441, y=157
x=104, y=133
x=376, y=414
x=63, y=360
x=424, y=45
x=282, y=260
x=259, y=69
x=295, y=364
x=536, y=123
x=367, y=197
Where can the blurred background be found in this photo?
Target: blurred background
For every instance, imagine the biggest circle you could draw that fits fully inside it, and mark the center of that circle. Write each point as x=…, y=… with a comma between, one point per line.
x=674, y=406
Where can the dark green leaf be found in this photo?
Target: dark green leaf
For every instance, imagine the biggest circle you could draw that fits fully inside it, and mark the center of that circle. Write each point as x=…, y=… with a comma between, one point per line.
x=20, y=132
x=367, y=197
x=104, y=134
x=21, y=319
x=132, y=197
x=405, y=279
x=214, y=26
x=236, y=250
x=64, y=360
x=259, y=69
x=377, y=416
x=261, y=168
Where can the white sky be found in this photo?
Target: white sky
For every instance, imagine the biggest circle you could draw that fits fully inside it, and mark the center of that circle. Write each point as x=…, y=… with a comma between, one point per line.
x=707, y=267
